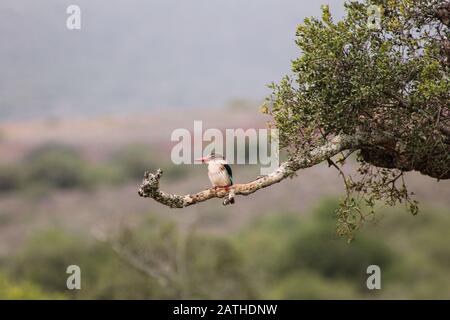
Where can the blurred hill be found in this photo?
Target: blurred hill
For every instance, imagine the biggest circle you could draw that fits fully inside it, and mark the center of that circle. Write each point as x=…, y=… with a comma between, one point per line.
x=137, y=55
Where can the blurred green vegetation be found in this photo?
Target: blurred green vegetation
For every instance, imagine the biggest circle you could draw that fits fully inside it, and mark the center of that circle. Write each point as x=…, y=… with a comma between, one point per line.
x=134, y=159
x=56, y=166
x=280, y=256
x=23, y=291
x=153, y=261
x=11, y=178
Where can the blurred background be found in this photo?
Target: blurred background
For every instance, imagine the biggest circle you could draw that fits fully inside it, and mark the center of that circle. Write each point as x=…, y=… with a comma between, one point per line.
x=84, y=113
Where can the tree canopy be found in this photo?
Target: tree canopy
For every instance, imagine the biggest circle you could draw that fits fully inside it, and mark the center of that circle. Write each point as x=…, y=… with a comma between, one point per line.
x=382, y=93
x=389, y=85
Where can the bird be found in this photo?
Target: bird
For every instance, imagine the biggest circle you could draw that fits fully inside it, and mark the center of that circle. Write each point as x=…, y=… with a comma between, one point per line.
x=219, y=173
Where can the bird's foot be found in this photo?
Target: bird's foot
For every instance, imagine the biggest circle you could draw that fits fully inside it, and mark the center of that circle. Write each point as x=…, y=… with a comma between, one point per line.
x=229, y=199
x=218, y=188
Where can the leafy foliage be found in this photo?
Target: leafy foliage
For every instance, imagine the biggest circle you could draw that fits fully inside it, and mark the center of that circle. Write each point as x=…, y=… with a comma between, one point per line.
x=390, y=84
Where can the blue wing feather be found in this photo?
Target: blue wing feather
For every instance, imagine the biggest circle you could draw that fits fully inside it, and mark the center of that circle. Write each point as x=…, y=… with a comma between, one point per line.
x=228, y=168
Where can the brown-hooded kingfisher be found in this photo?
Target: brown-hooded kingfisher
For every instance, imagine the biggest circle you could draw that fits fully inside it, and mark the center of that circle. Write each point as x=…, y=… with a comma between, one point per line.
x=219, y=172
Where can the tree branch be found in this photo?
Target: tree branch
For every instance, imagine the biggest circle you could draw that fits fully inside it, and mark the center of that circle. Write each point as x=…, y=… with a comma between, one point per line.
x=150, y=185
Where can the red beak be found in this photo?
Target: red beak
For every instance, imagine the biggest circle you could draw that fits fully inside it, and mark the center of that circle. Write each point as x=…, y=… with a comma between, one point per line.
x=202, y=160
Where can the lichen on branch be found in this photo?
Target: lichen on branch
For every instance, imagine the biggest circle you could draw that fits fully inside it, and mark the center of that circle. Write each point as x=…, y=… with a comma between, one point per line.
x=150, y=184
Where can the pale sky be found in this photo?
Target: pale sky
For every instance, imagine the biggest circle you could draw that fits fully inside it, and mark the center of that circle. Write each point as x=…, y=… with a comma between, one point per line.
x=138, y=55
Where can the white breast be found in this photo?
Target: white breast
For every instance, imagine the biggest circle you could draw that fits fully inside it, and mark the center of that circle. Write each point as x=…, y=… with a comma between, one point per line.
x=218, y=175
